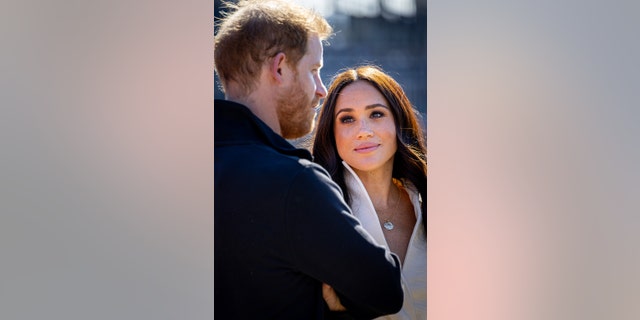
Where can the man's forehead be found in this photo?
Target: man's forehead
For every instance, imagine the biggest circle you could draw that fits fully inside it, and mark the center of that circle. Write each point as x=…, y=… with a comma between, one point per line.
x=314, y=50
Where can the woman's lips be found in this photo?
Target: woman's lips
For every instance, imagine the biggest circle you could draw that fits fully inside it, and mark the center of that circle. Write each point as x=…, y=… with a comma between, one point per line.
x=366, y=147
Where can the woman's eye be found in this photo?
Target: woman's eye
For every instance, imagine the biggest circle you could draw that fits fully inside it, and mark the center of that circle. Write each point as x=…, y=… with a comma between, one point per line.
x=346, y=119
x=377, y=114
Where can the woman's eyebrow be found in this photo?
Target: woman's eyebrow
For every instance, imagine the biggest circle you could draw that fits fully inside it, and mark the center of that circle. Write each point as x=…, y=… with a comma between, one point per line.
x=371, y=106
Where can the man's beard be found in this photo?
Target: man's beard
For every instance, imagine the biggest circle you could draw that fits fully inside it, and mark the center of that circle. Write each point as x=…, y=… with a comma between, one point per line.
x=295, y=112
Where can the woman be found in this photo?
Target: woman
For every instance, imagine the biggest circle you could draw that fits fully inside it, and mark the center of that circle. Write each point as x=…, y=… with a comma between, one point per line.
x=369, y=140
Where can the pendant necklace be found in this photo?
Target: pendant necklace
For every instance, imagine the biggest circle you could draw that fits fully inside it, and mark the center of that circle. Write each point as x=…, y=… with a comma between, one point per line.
x=388, y=225
x=387, y=222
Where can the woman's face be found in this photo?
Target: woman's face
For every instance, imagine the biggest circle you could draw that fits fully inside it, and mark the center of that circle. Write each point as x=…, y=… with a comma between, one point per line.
x=364, y=129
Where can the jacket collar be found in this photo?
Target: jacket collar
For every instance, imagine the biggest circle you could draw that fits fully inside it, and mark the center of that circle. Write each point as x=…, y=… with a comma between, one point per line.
x=235, y=124
x=363, y=209
x=356, y=185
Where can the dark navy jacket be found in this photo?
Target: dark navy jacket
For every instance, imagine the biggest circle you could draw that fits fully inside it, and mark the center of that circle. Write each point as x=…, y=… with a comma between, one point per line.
x=281, y=229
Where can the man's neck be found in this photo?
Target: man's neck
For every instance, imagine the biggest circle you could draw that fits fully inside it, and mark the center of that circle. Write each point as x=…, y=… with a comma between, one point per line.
x=261, y=108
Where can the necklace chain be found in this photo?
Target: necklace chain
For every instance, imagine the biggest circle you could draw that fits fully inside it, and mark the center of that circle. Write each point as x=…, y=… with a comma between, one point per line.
x=388, y=225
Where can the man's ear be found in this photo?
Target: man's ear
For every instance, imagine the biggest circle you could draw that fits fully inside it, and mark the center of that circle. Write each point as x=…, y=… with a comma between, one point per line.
x=277, y=64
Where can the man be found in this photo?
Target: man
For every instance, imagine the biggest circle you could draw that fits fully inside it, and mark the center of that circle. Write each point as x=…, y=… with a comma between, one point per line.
x=282, y=228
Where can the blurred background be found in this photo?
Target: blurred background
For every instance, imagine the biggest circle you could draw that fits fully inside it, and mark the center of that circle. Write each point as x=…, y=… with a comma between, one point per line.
x=389, y=34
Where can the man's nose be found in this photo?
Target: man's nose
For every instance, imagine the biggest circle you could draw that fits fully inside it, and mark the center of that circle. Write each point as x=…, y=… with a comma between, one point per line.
x=321, y=90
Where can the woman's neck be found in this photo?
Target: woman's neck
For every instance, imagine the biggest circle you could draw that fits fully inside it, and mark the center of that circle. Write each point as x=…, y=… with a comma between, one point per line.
x=380, y=187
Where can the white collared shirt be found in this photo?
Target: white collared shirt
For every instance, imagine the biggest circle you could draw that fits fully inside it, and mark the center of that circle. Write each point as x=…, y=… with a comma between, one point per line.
x=414, y=268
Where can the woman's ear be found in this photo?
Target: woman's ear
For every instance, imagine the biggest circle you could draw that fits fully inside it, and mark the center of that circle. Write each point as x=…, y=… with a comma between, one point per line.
x=275, y=69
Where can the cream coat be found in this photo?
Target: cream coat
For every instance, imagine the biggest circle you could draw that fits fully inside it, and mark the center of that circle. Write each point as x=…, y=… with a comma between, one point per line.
x=414, y=269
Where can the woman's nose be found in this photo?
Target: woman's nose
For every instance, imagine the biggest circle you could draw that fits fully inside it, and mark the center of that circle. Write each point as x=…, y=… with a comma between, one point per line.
x=364, y=130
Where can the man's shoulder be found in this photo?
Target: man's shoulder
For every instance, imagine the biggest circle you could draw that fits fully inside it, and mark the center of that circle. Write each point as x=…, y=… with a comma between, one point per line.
x=287, y=163
x=252, y=155
x=268, y=172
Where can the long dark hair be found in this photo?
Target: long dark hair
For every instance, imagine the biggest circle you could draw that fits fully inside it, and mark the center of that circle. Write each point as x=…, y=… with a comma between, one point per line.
x=410, y=160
